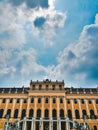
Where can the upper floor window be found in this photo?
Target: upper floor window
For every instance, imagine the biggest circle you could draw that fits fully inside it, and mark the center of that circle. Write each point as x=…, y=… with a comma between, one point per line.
x=54, y=100
x=61, y=100
x=40, y=87
x=25, y=100
x=18, y=100
x=46, y=100
x=75, y=101
x=3, y=100
x=53, y=87
x=82, y=101
x=46, y=87
x=89, y=101
x=33, y=87
x=39, y=100
x=32, y=100
x=68, y=101
x=96, y=101
x=60, y=87
x=11, y=100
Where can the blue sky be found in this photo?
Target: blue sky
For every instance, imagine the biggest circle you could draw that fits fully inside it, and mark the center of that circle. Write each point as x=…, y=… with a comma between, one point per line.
x=49, y=39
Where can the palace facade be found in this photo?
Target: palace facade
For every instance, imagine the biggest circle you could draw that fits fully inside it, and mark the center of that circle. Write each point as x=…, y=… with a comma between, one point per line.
x=46, y=105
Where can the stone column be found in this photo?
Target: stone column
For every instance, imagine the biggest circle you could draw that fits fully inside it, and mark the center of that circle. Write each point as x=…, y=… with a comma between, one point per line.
x=59, y=124
x=35, y=106
x=95, y=109
x=73, y=111
x=67, y=124
x=50, y=114
x=13, y=108
x=24, y=124
x=20, y=108
x=6, y=106
x=43, y=101
x=87, y=107
x=65, y=106
x=80, y=108
x=28, y=104
x=58, y=111
x=32, y=124
x=0, y=102
x=51, y=124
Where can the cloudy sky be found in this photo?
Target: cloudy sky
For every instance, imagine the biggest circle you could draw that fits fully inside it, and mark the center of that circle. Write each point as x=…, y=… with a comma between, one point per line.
x=54, y=39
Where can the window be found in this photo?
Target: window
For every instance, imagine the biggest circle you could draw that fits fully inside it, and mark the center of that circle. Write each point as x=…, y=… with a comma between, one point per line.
x=53, y=87
x=16, y=113
x=70, y=114
x=89, y=101
x=40, y=87
x=61, y=113
x=84, y=114
x=95, y=127
x=25, y=100
x=82, y=101
x=54, y=113
x=46, y=87
x=33, y=87
x=38, y=113
x=92, y=115
x=1, y=113
x=39, y=100
x=46, y=100
x=54, y=100
x=46, y=113
x=3, y=100
x=75, y=101
x=61, y=100
x=60, y=87
x=32, y=100
x=8, y=113
x=96, y=101
x=18, y=100
x=68, y=101
x=77, y=114
x=31, y=113
x=11, y=100
x=23, y=113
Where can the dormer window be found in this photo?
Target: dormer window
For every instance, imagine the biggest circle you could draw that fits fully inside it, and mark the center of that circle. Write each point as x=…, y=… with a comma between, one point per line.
x=60, y=87
x=40, y=87
x=53, y=87
x=46, y=87
x=33, y=87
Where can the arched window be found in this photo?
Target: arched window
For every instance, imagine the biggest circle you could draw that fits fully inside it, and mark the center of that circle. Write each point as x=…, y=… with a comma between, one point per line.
x=23, y=113
x=46, y=113
x=16, y=113
x=77, y=114
x=54, y=113
x=9, y=112
x=84, y=113
x=91, y=112
x=95, y=127
x=92, y=115
x=31, y=113
x=61, y=113
x=38, y=113
x=69, y=114
x=1, y=113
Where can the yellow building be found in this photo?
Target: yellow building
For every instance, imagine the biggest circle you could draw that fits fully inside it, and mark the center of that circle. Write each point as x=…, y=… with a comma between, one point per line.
x=48, y=105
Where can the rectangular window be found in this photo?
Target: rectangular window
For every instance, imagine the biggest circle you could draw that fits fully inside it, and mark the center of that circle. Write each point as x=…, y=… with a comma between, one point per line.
x=25, y=100
x=54, y=100
x=11, y=100
x=40, y=87
x=39, y=100
x=60, y=87
x=46, y=87
x=53, y=87
x=32, y=100
x=75, y=101
x=33, y=87
x=61, y=100
x=46, y=100
x=68, y=101
x=82, y=101
x=89, y=101
x=18, y=100
x=96, y=101
x=3, y=100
